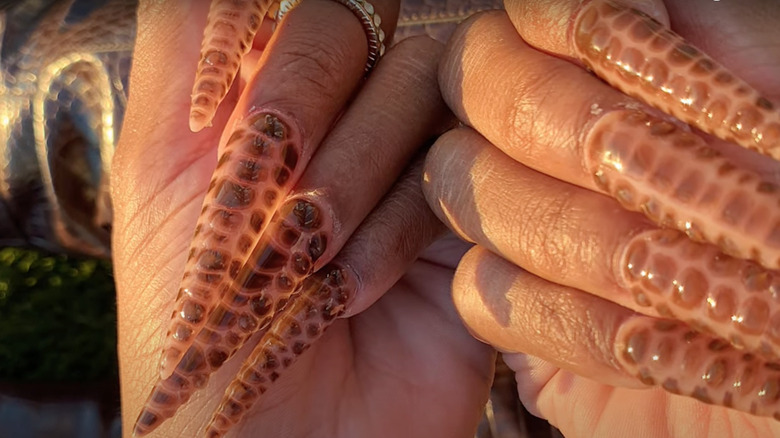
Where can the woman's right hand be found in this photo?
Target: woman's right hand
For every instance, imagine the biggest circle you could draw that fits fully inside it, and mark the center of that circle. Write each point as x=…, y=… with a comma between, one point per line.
x=589, y=301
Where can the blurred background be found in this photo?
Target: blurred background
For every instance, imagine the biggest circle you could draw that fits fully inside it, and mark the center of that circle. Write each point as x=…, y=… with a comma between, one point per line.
x=63, y=91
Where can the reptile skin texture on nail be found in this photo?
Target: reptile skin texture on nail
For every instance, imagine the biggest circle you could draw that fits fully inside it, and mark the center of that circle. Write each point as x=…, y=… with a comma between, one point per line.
x=639, y=56
x=230, y=30
x=720, y=279
x=683, y=361
x=81, y=77
x=64, y=205
x=258, y=167
x=256, y=297
x=322, y=298
x=678, y=181
x=717, y=294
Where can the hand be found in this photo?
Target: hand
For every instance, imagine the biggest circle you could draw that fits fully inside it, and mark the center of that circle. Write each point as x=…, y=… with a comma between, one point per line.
x=403, y=367
x=560, y=269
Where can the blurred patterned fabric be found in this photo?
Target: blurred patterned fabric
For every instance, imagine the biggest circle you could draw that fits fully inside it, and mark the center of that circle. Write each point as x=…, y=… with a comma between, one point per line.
x=63, y=89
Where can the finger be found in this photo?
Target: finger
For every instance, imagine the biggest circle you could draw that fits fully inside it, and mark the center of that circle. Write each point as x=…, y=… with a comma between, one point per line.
x=313, y=221
x=604, y=141
x=384, y=239
x=516, y=311
x=392, y=236
x=604, y=342
x=269, y=140
x=641, y=57
x=155, y=153
x=229, y=35
x=552, y=229
x=581, y=239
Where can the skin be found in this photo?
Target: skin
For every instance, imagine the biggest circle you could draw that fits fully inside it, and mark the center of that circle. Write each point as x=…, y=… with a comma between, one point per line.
x=542, y=283
x=502, y=304
x=400, y=357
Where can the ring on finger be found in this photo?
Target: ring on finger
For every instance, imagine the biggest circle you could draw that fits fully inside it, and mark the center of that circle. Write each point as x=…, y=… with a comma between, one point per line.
x=369, y=19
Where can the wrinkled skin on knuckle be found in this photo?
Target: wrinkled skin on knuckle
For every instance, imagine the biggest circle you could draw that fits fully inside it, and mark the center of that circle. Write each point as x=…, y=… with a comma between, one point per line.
x=319, y=65
x=546, y=245
x=412, y=66
x=528, y=127
x=554, y=315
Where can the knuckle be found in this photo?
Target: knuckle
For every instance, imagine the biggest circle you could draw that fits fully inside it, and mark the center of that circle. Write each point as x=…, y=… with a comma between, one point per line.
x=548, y=237
x=319, y=65
x=526, y=122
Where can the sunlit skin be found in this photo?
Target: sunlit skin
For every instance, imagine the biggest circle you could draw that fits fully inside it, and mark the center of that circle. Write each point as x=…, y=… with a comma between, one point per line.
x=497, y=307
x=359, y=365
x=561, y=268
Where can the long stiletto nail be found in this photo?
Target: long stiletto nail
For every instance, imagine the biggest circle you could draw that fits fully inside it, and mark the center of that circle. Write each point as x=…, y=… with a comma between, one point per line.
x=228, y=36
x=260, y=163
x=259, y=288
x=676, y=180
x=733, y=299
x=637, y=55
x=321, y=299
x=671, y=355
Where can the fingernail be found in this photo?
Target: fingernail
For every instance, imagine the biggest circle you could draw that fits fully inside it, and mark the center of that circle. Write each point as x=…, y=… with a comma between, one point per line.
x=246, y=257
x=678, y=181
x=682, y=361
x=644, y=59
x=734, y=299
x=321, y=299
x=228, y=36
x=259, y=165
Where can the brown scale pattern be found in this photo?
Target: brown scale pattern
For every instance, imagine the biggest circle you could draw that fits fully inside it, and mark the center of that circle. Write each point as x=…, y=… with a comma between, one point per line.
x=637, y=55
x=675, y=179
x=258, y=290
x=733, y=299
x=320, y=300
x=229, y=33
x=259, y=165
x=683, y=361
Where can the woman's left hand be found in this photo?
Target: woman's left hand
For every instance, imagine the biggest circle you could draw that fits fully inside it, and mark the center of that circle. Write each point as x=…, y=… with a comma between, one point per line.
x=539, y=180
x=404, y=367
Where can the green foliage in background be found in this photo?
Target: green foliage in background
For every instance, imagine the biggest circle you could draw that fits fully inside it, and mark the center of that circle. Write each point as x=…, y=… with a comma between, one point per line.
x=57, y=318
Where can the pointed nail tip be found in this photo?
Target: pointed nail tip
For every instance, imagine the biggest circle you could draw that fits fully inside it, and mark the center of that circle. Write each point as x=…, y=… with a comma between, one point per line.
x=199, y=121
x=196, y=126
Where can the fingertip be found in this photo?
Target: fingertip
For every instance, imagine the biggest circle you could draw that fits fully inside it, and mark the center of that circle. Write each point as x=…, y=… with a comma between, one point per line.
x=449, y=195
x=480, y=293
x=464, y=55
x=357, y=285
